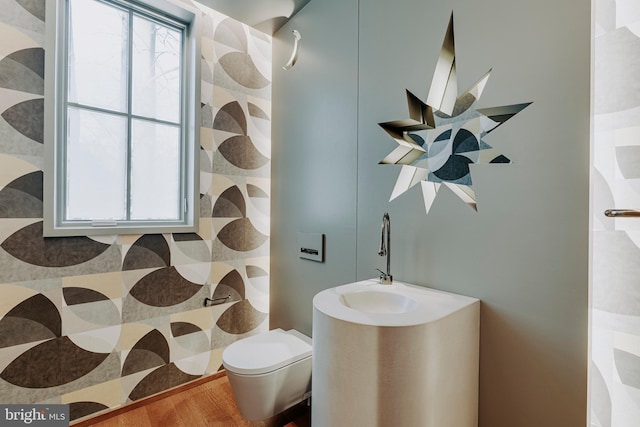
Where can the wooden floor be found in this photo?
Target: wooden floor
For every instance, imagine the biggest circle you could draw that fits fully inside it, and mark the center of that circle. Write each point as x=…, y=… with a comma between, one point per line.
x=209, y=403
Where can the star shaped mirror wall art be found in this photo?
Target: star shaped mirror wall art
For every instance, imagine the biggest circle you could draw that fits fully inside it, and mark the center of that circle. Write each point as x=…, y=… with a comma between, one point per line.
x=443, y=136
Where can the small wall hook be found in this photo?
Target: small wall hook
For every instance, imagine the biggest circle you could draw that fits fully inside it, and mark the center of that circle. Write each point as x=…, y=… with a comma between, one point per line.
x=294, y=54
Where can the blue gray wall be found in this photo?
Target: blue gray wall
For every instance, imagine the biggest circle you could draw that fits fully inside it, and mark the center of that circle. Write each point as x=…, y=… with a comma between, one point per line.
x=524, y=253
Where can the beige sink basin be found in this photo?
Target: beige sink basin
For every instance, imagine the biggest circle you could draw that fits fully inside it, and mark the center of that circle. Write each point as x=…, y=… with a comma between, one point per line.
x=378, y=301
x=400, y=304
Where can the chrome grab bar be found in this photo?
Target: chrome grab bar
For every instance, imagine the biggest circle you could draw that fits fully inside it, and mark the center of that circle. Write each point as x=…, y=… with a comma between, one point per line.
x=628, y=213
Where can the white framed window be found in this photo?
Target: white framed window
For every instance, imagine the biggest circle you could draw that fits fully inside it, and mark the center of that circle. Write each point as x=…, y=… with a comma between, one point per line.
x=121, y=118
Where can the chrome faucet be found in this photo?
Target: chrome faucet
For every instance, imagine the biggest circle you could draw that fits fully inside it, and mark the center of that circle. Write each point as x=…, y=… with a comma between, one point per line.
x=385, y=250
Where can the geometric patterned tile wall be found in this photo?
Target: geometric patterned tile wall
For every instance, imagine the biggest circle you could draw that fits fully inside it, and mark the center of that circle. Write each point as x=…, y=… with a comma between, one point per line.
x=99, y=322
x=615, y=300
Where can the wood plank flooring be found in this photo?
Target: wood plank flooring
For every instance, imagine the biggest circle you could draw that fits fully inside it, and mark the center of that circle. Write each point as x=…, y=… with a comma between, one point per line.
x=206, y=404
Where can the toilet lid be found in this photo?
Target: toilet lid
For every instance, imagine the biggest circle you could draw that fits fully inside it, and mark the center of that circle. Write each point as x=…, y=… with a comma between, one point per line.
x=266, y=352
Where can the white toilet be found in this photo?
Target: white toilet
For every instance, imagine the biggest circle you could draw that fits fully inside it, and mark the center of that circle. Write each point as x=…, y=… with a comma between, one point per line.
x=269, y=372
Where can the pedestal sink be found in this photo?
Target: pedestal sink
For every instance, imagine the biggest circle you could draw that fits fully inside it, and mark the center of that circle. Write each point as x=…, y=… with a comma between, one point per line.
x=394, y=355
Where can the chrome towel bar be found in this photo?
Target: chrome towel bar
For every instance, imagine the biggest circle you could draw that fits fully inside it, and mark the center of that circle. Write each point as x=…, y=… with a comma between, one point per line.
x=619, y=213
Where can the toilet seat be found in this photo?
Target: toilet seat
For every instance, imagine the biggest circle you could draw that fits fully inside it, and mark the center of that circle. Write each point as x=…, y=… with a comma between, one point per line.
x=266, y=352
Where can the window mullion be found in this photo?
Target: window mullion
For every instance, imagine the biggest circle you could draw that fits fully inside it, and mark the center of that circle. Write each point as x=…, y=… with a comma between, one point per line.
x=129, y=115
x=184, y=128
x=61, y=161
